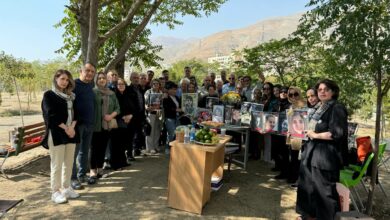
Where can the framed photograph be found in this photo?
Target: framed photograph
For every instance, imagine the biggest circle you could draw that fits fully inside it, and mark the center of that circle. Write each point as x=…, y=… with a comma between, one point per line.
x=257, y=121
x=256, y=107
x=155, y=100
x=218, y=113
x=270, y=122
x=211, y=101
x=245, y=113
x=297, y=123
x=236, y=117
x=352, y=130
x=228, y=114
x=282, y=123
x=203, y=114
x=189, y=103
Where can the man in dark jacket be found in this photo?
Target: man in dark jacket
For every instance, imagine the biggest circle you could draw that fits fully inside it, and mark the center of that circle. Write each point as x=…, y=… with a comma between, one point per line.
x=139, y=117
x=84, y=106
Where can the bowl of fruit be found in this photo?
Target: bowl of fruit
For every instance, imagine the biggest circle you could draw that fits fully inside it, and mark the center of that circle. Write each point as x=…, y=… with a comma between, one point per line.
x=206, y=136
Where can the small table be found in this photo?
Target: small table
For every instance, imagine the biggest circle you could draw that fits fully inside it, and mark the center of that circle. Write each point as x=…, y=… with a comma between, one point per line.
x=242, y=130
x=191, y=167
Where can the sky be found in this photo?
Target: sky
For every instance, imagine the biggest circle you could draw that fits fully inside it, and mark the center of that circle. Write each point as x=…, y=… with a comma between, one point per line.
x=27, y=26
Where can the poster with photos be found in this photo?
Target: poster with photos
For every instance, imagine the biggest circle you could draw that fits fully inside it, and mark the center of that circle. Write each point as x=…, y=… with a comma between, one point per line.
x=189, y=103
x=211, y=101
x=203, y=114
x=155, y=100
x=228, y=114
x=245, y=113
x=297, y=123
x=218, y=113
x=256, y=107
x=257, y=121
x=282, y=123
x=270, y=122
x=236, y=117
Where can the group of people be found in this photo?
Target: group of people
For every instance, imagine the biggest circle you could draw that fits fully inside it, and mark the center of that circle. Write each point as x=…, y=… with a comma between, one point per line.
x=106, y=120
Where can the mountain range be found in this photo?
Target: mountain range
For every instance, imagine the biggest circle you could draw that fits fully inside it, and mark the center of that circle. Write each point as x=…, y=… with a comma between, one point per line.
x=224, y=42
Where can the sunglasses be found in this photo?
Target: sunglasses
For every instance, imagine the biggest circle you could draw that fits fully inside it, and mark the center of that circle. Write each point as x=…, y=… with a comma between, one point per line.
x=293, y=94
x=283, y=91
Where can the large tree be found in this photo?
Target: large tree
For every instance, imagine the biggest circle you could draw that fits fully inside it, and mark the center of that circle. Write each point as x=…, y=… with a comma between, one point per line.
x=116, y=30
x=358, y=33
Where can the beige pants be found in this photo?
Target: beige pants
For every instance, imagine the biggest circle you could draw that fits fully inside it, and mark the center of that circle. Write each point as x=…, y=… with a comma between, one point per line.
x=153, y=138
x=61, y=164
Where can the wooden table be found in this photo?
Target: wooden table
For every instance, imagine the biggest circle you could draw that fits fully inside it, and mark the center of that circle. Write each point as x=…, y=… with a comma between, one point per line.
x=191, y=167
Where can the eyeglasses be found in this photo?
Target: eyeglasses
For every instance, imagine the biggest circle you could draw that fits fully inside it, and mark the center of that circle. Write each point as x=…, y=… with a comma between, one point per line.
x=293, y=94
x=231, y=78
x=283, y=91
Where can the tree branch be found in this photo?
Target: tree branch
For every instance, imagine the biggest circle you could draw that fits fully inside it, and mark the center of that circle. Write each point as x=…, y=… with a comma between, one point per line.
x=131, y=39
x=129, y=17
x=106, y=3
x=385, y=90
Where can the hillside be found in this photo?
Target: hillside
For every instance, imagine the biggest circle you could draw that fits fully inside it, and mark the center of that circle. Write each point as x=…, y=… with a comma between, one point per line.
x=224, y=42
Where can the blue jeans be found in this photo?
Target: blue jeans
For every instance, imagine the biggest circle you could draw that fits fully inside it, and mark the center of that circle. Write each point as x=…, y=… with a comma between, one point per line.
x=170, y=124
x=82, y=151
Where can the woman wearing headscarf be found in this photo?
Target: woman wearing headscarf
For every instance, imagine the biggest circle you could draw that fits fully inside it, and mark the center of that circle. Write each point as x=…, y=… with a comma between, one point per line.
x=60, y=138
x=106, y=109
x=323, y=157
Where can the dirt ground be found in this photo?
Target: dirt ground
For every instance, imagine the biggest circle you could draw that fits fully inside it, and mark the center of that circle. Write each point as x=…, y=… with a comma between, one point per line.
x=140, y=191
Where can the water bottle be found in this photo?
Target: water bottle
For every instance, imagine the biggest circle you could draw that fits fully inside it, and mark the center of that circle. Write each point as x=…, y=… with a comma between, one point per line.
x=186, y=136
x=192, y=134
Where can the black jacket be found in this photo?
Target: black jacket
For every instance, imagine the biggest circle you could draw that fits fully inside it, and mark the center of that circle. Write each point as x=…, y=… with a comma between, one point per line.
x=170, y=107
x=55, y=112
x=138, y=111
x=329, y=154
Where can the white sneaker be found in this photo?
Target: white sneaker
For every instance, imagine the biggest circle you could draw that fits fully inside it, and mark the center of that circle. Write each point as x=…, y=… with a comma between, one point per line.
x=153, y=151
x=69, y=193
x=58, y=198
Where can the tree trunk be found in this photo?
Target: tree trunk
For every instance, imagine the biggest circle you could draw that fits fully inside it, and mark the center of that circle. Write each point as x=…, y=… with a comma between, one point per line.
x=120, y=68
x=376, y=149
x=93, y=47
x=82, y=16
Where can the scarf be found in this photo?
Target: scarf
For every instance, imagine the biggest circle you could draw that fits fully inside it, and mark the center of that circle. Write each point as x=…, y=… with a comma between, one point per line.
x=317, y=112
x=105, y=93
x=69, y=103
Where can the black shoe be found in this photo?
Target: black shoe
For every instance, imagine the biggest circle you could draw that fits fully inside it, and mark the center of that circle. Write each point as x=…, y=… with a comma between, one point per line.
x=76, y=185
x=82, y=179
x=280, y=176
x=275, y=169
x=92, y=180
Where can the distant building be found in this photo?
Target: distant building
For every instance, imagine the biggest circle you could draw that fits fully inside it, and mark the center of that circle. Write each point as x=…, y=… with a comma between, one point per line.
x=224, y=61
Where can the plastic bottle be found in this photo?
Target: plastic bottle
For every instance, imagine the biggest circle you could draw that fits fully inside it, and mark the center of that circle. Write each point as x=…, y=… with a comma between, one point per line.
x=186, y=135
x=192, y=134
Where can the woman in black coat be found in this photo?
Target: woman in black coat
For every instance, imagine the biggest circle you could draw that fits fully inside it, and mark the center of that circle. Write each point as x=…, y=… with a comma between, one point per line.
x=60, y=138
x=121, y=137
x=322, y=158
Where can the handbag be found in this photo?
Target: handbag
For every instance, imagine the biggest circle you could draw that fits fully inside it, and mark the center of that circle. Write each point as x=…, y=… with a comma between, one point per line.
x=112, y=124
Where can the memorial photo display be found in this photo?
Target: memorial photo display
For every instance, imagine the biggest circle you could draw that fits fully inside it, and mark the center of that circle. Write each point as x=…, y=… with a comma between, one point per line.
x=155, y=100
x=218, y=113
x=189, y=103
x=245, y=113
x=270, y=122
x=257, y=121
x=297, y=123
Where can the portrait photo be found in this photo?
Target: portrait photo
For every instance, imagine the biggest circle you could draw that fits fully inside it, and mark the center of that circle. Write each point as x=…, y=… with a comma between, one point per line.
x=245, y=113
x=211, y=101
x=257, y=120
x=297, y=123
x=218, y=113
x=236, y=117
x=155, y=100
x=270, y=122
x=189, y=103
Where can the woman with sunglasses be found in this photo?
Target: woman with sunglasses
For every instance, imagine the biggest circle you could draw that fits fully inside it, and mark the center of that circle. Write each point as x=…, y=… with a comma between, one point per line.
x=323, y=157
x=297, y=102
x=269, y=100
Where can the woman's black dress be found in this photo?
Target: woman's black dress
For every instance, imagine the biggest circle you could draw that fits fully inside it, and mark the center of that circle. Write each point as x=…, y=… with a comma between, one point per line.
x=321, y=164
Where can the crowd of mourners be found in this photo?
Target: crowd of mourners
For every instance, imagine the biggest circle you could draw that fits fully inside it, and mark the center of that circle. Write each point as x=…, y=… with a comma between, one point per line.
x=84, y=139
